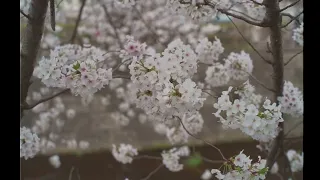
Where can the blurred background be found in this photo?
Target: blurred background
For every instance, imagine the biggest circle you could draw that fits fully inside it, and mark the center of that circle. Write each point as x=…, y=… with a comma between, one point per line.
x=82, y=131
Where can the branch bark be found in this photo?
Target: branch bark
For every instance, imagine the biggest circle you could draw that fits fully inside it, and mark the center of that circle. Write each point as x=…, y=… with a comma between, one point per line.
x=30, y=45
x=274, y=16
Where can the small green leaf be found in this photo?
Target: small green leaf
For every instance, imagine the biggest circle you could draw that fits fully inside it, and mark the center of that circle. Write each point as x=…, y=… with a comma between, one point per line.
x=76, y=66
x=263, y=171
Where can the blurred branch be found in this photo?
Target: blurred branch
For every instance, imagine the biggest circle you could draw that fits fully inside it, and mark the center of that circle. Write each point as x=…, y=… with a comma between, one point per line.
x=223, y=157
x=269, y=48
x=52, y=15
x=25, y=15
x=280, y=176
x=118, y=66
x=245, y=39
x=292, y=19
x=109, y=19
x=287, y=166
x=75, y=30
x=27, y=107
x=286, y=63
x=211, y=161
x=153, y=172
x=260, y=83
x=147, y=157
x=289, y=6
x=210, y=94
x=293, y=128
x=155, y=35
x=263, y=23
x=120, y=76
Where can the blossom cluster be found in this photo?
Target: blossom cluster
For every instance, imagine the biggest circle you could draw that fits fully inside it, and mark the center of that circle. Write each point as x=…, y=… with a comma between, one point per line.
x=259, y=122
x=298, y=34
x=292, y=100
x=162, y=82
x=237, y=66
x=241, y=167
x=29, y=143
x=296, y=160
x=75, y=68
x=124, y=153
x=208, y=52
x=248, y=95
x=55, y=161
x=171, y=158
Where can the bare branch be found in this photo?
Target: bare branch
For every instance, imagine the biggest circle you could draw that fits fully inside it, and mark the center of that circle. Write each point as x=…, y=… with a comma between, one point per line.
x=109, y=19
x=286, y=63
x=223, y=157
x=245, y=39
x=260, y=83
x=120, y=76
x=210, y=94
x=257, y=3
x=293, y=128
x=289, y=6
x=227, y=12
x=25, y=15
x=147, y=157
x=155, y=35
x=153, y=172
x=211, y=161
x=26, y=107
x=118, y=66
x=70, y=173
x=292, y=19
x=75, y=29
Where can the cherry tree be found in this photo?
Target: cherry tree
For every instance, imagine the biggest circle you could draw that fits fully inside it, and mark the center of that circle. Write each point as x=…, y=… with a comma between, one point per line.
x=146, y=55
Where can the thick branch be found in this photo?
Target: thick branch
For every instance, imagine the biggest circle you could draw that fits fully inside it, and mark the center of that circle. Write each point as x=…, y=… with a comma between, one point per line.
x=75, y=30
x=30, y=45
x=286, y=63
x=273, y=14
x=289, y=6
x=245, y=39
x=52, y=15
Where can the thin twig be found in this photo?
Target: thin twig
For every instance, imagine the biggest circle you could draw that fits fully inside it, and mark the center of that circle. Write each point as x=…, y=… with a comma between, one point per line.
x=147, y=157
x=211, y=161
x=210, y=94
x=75, y=30
x=257, y=3
x=118, y=66
x=292, y=19
x=286, y=63
x=109, y=19
x=287, y=7
x=155, y=35
x=260, y=83
x=245, y=39
x=223, y=157
x=290, y=16
x=25, y=15
x=71, y=172
x=44, y=100
x=293, y=128
x=153, y=172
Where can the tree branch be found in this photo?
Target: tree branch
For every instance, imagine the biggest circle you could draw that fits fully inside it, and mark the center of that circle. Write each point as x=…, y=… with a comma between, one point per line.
x=147, y=157
x=153, y=172
x=25, y=15
x=30, y=45
x=292, y=19
x=245, y=39
x=261, y=84
x=286, y=63
x=223, y=157
x=109, y=19
x=27, y=107
x=263, y=23
x=75, y=30
x=289, y=6
x=52, y=15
